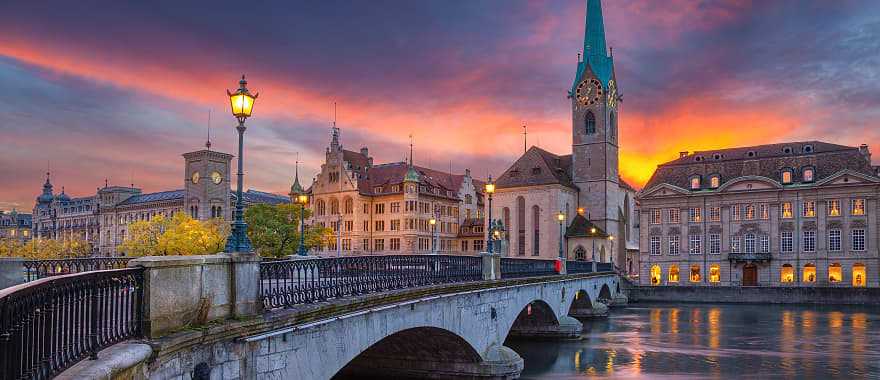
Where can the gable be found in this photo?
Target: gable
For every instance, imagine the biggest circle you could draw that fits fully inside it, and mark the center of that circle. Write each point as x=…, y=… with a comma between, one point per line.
x=847, y=177
x=749, y=183
x=662, y=190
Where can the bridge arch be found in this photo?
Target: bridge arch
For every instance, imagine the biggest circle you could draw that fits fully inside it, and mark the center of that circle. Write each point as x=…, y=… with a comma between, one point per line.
x=605, y=295
x=435, y=349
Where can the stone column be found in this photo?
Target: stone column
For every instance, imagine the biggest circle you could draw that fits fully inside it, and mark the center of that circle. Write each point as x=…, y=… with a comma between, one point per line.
x=491, y=265
x=184, y=291
x=11, y=271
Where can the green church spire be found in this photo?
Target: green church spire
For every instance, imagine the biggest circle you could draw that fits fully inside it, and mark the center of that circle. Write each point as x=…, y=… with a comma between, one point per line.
x=595, y=49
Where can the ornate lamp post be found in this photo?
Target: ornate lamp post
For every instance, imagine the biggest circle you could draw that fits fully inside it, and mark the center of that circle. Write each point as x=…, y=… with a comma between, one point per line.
x=611, y=238
x=242, y=103
x=490, y=189
x=433, y=223
x=561, y=218
x=302, y=199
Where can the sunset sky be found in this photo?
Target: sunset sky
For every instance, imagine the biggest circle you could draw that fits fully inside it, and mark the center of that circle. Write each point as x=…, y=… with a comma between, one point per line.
x=120, y=91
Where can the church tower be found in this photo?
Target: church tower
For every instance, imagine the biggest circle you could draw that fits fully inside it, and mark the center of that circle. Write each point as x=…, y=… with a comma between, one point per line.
x=206, y=184
x=594, y=101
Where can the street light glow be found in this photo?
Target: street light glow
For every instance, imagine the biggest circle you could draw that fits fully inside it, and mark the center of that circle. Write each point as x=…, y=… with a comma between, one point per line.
x=241, y=100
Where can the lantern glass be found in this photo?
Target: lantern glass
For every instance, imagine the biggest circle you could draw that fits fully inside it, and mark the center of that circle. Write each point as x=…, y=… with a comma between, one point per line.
x=490, y=188
x=432, y=221
x=302, y=199
x=242, y=104
x=560, y=216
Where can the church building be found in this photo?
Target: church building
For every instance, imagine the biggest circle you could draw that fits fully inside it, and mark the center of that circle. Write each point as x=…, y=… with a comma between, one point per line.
x=585, y=185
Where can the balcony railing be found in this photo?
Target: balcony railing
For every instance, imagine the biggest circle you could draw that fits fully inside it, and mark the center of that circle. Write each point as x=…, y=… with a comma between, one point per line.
x=285, y=283
x=748, y=256
x=50, y=324
x=37, y=269
x=512, y=267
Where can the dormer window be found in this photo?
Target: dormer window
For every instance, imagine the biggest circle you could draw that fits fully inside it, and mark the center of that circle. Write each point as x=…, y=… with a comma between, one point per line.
x=695, y=182
x=786, y=176
x=808, y=174
x=377, y=189
x=714, y=181
x=717, y=156
x=808, y=149
x=786, y=150
x=752, y=153
x=698, y=158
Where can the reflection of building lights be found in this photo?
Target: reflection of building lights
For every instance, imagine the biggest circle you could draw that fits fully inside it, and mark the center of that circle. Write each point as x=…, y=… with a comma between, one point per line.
x=529, y=309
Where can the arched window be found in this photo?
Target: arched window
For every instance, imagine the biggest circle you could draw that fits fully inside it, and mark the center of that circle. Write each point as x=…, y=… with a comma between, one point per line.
x=334, y=207
x=321, y=207
x=715, y=273
x=580, y=253
x=673, y=273
x=590, y=120
x=655, y=275
x=613, y=124
x=835, y=273
x=349, y=206
x=521, y=226
x=858, y=275
x=809, y=273
x=536, y=226
x=695, y=273
x=505, y=215
x=787, y=273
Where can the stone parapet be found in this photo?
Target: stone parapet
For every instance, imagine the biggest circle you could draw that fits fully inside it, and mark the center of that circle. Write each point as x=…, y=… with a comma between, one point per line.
x=181, y=291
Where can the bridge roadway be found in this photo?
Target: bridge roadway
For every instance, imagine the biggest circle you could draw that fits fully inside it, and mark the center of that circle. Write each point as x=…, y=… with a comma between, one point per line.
x=453, y=330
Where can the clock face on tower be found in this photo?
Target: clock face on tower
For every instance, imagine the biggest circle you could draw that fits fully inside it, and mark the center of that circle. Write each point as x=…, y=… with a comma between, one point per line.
x=195, y=178
x=589, y=92
x=216, y=178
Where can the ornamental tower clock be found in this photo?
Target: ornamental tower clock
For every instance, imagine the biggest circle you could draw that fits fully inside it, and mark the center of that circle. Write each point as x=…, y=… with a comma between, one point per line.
x=206, y=184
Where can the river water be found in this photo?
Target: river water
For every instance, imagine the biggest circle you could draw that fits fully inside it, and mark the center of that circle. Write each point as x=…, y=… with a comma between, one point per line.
x=675, y=341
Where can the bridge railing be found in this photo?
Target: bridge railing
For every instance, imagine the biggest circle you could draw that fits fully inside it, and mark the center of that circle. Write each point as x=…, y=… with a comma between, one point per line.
x=50, y=324
x=512, y=267
x=578, y=266
x=286, y=283
x=604, y=267
x=37, y=269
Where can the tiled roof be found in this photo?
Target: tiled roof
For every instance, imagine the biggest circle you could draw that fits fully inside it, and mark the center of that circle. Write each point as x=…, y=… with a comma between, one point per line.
x=357, y=160
x=153, y=197
x=764, y=161
x=394, y=173
x=253, y=197
x=540, y=167
x=581, y=227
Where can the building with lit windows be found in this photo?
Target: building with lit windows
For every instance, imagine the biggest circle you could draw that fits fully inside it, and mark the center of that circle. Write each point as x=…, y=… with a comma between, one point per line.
x=14, y=225
x=394, y=208
x=102, y=219
x=788, y=214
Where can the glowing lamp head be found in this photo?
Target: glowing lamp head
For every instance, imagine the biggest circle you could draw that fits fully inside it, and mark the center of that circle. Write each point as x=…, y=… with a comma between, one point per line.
x=611, y=237
x=490, y=186
x=432, y=221
x=496, y=233
x=580, y=211
x=593, y=230
x=242, y=101
x=560, y=216
x=302, y=199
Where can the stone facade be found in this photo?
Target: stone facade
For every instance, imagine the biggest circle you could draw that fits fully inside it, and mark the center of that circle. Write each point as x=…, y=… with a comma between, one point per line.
x=387, y=208
x=541, y=184
x=102, y=219
x=789, y=214
x=14, y=225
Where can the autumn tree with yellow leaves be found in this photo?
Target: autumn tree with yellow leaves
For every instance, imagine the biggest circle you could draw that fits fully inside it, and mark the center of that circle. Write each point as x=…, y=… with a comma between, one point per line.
x=178, y=235
x=38, y=249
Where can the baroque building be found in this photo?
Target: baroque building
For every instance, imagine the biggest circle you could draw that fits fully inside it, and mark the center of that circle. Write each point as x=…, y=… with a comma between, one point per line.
x=102, y=219
x=788, y=214
x=15, y=225
x=584, y=185
x=389, y=208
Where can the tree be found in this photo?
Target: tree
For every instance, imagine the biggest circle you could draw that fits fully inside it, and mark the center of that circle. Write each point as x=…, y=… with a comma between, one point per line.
x=274, y=229
x=45, y=248
x=178, y=235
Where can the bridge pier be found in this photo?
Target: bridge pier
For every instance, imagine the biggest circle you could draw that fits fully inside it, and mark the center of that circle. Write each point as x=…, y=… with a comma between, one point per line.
x=501, y=363
x=537, y=320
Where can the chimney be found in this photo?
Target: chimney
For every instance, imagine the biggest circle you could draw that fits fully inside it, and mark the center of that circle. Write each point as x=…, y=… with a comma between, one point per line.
x=682, y=154
x=467, y=172
x=365, y=152
x=863, y=149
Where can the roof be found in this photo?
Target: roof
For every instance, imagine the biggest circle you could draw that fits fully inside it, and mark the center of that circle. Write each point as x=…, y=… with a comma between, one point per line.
x=357, y=160
x=595, y=50
x=395, y=173
x=581, y=227
x=153, y=197
x=765, y=161
x=539, y=167
x=253, y=196
x=466, y=229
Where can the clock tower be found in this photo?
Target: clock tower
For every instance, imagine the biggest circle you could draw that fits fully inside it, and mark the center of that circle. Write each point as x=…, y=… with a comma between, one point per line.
x=206, y=184
x=594, y=107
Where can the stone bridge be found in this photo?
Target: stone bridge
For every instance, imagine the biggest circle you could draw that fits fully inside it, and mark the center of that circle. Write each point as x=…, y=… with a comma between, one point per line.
x=436, y=331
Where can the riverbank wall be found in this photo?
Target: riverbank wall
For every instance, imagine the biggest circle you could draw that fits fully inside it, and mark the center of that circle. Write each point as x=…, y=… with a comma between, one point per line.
x=755, y=295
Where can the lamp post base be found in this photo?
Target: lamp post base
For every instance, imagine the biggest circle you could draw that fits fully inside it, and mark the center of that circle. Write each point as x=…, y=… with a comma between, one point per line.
x=238, y=240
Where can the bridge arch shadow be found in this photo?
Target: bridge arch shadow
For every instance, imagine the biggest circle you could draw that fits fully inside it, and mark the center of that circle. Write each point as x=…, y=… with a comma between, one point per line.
x=415, y=353
x=605, y=295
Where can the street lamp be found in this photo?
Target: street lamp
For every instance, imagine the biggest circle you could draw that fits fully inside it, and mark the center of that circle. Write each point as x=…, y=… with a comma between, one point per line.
x=302, y=199
x=433, y=223
x=561, y=218
x=242, y=103
x=611, y=238
x=490, y=189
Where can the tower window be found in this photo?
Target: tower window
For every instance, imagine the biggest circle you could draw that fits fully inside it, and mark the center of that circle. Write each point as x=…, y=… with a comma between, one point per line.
x=590, y=123
x=613, y=124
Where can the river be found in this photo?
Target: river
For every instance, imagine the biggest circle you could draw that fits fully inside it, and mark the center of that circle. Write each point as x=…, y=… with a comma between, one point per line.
x=689, y=341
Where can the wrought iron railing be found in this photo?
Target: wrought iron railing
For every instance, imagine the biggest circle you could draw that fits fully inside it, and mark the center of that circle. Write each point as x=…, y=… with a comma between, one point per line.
x=50, y=324
x=604, y=267
x=517, y=268
x=578, y=266
x=37, y=269
x=291, y=282
x=749, y=257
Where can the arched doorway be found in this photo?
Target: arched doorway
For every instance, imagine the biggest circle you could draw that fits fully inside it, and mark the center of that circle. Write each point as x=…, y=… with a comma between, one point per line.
x=750, y=275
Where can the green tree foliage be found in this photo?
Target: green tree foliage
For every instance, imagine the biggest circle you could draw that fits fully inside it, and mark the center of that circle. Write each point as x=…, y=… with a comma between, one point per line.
x=274, y=229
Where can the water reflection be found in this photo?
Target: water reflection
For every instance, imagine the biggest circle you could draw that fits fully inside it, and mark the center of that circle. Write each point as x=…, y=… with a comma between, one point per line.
x=731, y=341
